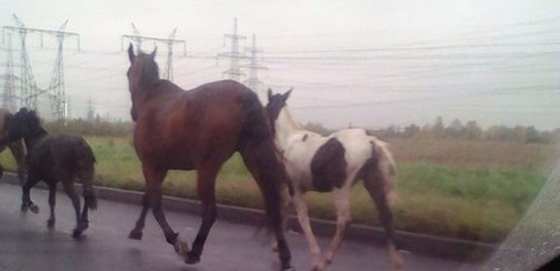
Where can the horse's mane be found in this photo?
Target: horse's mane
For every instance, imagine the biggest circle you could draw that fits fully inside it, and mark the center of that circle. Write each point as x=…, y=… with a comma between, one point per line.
x=27, y=120
x=276, y=106
x=289, y=117
x=31, y=117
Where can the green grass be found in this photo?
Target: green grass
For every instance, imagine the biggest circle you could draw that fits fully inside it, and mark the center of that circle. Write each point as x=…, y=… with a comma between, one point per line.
x=462, y=189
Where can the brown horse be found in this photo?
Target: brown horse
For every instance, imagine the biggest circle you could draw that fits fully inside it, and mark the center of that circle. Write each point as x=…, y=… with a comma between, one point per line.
x=16, y=147
x=200, y=129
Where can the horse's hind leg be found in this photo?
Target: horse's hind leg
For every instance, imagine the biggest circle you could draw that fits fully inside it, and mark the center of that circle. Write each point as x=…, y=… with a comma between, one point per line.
x=286, y=209
x=71, y=193
x=52, y=202
x=267, y=170
x=374, y=185
x=206, y=179
x=342, y=205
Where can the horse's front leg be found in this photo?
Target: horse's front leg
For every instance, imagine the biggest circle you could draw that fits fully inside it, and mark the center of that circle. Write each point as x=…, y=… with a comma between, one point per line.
x=303, y=218
x=342, y=205
x=18, y=151
x=26, y=202
x=136, y=233
x=154, y=178
x=206, y=178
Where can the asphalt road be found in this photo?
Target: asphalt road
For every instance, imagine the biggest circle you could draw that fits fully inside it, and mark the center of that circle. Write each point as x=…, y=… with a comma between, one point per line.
x=27, y=244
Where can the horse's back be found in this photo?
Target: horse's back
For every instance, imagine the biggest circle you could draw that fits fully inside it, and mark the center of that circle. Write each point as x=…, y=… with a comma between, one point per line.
x=60, y=153
x=184, y=127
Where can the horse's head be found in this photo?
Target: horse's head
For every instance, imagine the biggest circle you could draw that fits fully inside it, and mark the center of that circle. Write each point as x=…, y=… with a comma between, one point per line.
x=24, y=123
x=142, y=74
x=275, y=104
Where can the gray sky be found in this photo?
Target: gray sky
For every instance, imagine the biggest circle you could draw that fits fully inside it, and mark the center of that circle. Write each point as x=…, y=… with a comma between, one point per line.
x=361, y=63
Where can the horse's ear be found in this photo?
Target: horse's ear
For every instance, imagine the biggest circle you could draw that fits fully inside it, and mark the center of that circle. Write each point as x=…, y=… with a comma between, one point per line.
x=131, y=53
x=23, y=110
x=287, y=94
x=269, y=94
x=153, y=54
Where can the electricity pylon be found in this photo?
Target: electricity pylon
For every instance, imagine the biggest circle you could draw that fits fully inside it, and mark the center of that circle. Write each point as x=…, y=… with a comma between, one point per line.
x=30, y=92
x=169, y=42
x=234, y=71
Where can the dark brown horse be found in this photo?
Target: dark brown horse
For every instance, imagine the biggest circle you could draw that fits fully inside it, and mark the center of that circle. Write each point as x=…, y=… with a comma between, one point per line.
x=16, y=147
x=200, y=129
x=52, y=159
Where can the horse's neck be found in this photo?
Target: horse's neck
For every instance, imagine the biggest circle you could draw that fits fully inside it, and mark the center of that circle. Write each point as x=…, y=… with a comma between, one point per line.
x=32, y=139
x=163, y=89
x=285, y=127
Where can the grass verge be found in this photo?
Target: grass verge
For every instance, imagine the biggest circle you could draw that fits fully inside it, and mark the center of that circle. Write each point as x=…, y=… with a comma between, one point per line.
x=470, y=190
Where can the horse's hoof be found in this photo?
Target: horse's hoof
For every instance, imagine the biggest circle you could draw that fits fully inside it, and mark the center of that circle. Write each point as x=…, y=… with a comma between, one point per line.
x=24, y=208
x=191, y=258
x=289, y=268
x=77, y=233
x=135, y=235
x=34, y=208
x=182, y=248
x=82, y=226
x=50, y=223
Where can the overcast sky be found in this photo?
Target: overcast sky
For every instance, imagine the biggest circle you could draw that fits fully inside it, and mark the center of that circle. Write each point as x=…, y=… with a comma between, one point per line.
x=361, y=63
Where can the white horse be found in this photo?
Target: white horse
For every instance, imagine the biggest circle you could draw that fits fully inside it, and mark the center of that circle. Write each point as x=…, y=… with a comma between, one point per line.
x=333, y=164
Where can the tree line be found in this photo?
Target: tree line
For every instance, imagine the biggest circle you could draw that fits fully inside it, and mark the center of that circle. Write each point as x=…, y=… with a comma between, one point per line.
x=469, y=130
x=457, y=130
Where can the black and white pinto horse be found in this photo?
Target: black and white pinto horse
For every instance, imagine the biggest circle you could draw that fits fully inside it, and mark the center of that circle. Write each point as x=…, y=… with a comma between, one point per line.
x=333, y=164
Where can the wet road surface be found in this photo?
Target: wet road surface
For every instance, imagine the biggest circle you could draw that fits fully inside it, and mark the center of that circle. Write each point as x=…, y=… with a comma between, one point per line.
x=27, y=244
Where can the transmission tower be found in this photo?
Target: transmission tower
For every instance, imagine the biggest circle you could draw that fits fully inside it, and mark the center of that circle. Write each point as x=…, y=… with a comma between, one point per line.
x=29, y=89
x=253, y=81
x=234, y=55
x=169, y=42
x=9, y=79
x=90, y=111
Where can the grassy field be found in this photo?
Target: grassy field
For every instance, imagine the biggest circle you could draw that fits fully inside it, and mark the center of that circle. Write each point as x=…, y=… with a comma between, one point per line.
x=474, y=190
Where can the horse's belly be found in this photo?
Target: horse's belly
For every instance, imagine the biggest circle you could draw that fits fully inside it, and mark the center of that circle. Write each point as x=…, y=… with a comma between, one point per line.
x=175, y=159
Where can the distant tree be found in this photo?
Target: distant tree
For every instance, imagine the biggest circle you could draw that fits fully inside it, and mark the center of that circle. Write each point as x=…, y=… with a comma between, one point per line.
x=472, y=131
x=455, y=129
x=411, y=130
x=438, y=130
x=532, y=135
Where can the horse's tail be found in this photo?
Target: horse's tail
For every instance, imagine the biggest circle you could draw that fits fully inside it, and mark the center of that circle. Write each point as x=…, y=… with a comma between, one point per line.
x=86, y=164
x=257, y=136
x=386, y=166
x=263, y=160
